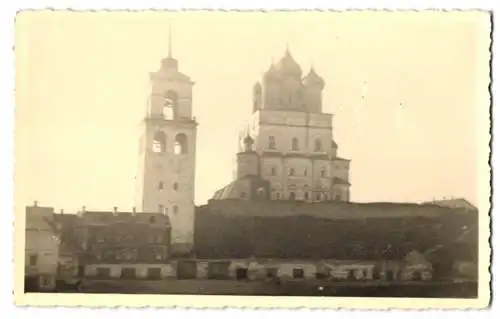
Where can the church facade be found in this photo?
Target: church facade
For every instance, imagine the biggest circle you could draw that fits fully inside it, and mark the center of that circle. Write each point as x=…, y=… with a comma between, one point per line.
x=287, y=150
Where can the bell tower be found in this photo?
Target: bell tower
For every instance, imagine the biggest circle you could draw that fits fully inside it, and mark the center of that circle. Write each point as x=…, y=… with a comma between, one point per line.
x=166, y=177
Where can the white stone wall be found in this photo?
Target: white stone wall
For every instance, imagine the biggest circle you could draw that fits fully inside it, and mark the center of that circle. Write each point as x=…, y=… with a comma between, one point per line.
x=43, y=244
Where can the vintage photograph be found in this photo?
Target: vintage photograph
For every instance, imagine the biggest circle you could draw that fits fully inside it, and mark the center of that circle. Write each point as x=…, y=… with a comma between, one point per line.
x=287, y=154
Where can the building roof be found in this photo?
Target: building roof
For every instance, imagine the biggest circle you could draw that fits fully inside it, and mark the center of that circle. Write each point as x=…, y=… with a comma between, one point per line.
x=125, y=217
x=285, y=229
x=327, y=209
x=454, y=203
x=237, y=186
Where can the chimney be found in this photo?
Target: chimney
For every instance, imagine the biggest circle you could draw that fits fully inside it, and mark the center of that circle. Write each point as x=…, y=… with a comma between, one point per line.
x=115, y=210
x=35, y=203
x=133, y=210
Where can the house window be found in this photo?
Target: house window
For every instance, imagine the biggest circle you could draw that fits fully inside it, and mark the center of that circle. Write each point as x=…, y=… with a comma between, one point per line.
x=323, y=172
x=160, y=185
x=306, y=196
x=128, y=273
x=175, y=186
x=298, y=273
x=243, y=194
x=337, y=197
x=305, y=171
x=278, y=195
x=181, y=144
x=176, y=209
x=271, y=272
x=292, y=196
x=161, y=208
x=272, y=143
x=317, y=145
x=33, y=260
x=103, y=272
x=241, y=273
x=295, y=144
x=318, y=196
x=154, y=273
x=291, y=172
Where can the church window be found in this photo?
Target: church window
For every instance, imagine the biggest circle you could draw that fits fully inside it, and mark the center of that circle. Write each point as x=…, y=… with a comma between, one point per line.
x=292, y=196
x=272, y=143
x=159, y=142
x=317, y=145
x=295, y=144
x=175, y=186
x=160, y=185
x=170, y=105
x=176, y=209
x=181, y=144
x=291, y=172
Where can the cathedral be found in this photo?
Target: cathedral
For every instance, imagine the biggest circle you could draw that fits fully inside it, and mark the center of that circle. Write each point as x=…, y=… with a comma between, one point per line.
x=287, y=150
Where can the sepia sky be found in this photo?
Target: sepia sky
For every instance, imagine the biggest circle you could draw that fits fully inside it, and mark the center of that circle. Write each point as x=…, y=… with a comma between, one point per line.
x=405, y=90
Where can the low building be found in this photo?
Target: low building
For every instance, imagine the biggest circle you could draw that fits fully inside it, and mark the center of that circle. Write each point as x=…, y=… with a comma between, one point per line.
x=386, y=234
x=111, y=244
x=41, y=250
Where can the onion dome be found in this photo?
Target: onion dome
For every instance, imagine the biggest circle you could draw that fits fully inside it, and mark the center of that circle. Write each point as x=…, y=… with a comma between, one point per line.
x=312, y=79
x=248, y=141
x=287, y=65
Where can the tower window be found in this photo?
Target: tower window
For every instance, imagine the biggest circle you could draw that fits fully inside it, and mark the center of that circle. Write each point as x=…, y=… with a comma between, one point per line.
x=273, y=171
x=295, y=144
x=323, y=172
x=160, y=185
x=159, y=142
x=176, y=209
x=170, y=105
x=291, y=172
x=181, y=144
x=317, y=145
x=272, y=143
x=175, y=186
